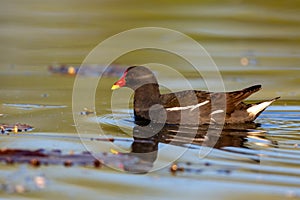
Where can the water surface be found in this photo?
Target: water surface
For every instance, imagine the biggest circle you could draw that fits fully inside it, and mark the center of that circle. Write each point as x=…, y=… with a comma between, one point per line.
x=256, y=162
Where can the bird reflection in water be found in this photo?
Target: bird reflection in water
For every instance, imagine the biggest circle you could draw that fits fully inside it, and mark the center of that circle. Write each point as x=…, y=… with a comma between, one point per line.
x=146, y=139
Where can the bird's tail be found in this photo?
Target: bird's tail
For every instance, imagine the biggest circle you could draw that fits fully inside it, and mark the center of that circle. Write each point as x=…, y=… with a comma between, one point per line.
x=256, y=109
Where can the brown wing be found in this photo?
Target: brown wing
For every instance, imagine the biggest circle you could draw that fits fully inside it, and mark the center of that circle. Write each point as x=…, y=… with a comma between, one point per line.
x=236, y=97
x=184, y=98
x=187, y=98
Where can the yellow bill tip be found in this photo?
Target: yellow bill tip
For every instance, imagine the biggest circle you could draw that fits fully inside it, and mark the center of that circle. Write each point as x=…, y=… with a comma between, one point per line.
x=114, y=87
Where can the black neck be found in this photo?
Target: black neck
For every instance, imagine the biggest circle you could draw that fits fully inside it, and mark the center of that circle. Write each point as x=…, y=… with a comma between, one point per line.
x=145, y=97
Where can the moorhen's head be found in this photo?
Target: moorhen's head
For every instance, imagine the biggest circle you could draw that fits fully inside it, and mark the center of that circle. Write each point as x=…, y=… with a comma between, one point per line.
x=135, y=77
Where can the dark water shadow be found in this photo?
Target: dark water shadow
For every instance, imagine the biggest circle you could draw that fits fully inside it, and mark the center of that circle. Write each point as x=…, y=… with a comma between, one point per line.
x=146, y=139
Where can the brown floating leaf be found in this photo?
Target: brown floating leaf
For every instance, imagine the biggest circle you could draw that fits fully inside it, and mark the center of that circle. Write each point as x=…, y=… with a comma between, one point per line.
x=55, y=157
x=15, y=128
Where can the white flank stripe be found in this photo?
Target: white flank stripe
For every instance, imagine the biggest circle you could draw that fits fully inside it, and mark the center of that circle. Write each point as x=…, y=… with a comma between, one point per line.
x=192, y=107
x=257, y=108
x=217, y=111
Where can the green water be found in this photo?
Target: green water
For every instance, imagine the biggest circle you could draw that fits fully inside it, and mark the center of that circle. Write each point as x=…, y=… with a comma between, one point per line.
x=36, y=34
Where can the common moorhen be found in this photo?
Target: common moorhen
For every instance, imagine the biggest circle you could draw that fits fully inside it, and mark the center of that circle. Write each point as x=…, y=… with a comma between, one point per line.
x=189, y=106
